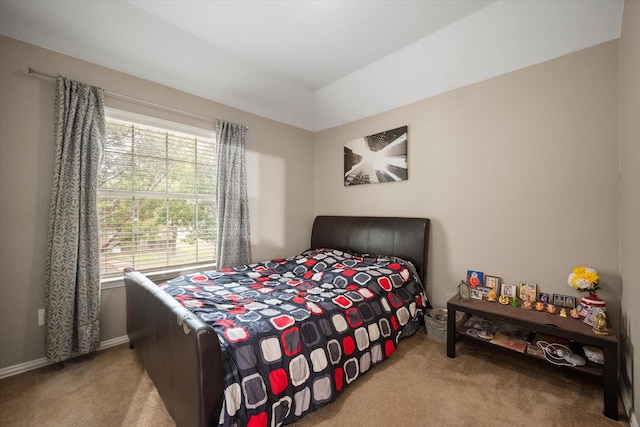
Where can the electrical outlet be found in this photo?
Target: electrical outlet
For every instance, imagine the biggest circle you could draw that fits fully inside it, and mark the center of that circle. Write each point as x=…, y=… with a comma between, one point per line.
x=41, y=317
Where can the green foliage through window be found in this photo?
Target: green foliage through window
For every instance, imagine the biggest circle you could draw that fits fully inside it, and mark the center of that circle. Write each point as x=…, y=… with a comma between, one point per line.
x=156, y=200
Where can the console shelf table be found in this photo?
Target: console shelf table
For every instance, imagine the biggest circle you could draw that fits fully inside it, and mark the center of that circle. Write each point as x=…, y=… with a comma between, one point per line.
x=545, y=323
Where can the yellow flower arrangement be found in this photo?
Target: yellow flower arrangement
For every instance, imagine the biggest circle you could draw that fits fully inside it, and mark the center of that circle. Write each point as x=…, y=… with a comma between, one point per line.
x=584, y=279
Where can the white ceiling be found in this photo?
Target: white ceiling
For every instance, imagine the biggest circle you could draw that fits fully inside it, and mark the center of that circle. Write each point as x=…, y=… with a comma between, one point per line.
x=313, y=64
x=313, y=43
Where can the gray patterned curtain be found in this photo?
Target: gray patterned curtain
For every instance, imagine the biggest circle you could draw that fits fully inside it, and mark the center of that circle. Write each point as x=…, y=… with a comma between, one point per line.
x=72, y=282
x=234, y=246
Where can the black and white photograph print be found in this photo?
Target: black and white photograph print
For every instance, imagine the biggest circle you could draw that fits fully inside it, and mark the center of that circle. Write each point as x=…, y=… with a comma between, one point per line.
x=381, y=157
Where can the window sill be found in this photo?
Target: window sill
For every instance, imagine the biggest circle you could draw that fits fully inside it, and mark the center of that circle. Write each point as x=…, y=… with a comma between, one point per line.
x=157, y=276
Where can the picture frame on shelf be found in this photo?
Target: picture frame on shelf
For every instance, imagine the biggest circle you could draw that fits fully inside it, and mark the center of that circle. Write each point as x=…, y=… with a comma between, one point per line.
x=569, y=301
x=464, y=291
x=476, y=294
x=590, y=318
x=544, y=298
x=508, y=290
x=558, y=300
x=564, y=301
x=492, y=282
x=583, y=310
x=484, y=290
x=475, y=278
x=528, y=291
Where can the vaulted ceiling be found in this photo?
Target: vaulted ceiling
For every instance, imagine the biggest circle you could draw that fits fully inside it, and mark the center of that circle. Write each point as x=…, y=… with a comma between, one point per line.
x=313, y=64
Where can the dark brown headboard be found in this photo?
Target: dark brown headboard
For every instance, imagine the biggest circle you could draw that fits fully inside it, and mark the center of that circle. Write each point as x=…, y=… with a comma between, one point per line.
x=407, y=238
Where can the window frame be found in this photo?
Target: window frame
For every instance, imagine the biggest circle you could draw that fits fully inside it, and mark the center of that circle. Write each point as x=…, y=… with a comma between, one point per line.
x=159, y=274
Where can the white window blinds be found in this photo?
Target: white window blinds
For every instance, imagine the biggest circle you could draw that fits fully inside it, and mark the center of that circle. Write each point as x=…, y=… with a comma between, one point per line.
x=156, y=199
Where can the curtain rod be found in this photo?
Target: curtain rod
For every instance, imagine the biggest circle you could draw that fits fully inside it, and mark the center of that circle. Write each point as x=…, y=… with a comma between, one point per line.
x=139, y=101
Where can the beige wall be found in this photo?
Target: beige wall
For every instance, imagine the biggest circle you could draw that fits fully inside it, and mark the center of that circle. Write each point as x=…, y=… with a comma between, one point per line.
x=519, y=175
x=280, y=161
x=630, y=197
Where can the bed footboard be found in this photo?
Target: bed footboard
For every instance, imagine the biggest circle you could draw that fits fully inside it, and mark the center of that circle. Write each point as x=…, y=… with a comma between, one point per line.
x=180, y=352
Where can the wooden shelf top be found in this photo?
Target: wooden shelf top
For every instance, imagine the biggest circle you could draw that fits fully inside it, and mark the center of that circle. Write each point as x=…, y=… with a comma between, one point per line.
x=531, y=316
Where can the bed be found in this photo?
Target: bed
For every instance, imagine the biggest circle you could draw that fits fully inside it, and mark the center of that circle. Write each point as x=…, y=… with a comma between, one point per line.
x=188, y=334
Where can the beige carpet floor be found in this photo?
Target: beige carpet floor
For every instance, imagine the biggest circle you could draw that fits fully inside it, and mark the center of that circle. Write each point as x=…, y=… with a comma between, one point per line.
x=417, y=386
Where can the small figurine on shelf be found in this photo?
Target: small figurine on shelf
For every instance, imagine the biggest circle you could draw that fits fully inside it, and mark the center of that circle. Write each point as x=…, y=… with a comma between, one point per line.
x=563, y=312
x=528, y=299
x=503, y=299
x=601, y=324
x=539, y=306
x=574, y=313
x=551, y=308
x=514, y=302
x=491, y=295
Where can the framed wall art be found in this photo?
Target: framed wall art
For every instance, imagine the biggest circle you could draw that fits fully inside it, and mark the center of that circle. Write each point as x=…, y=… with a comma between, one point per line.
x=381, y=157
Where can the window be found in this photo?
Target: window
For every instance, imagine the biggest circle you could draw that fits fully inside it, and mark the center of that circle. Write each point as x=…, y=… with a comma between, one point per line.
x=156, y=199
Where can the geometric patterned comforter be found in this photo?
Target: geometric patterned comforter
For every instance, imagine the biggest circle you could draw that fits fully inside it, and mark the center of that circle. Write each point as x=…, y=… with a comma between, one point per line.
x=294, y=332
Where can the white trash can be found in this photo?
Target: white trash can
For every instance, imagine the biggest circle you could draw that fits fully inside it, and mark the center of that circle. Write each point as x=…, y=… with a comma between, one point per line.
x=436, y=323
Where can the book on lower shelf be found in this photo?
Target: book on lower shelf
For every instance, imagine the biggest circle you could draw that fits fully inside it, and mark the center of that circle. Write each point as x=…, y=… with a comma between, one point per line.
x=513, y=343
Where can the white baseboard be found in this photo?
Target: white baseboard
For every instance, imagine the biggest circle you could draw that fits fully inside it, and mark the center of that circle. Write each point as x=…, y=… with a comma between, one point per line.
x=113, y=342
x=38, y=363
x=23, y=367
